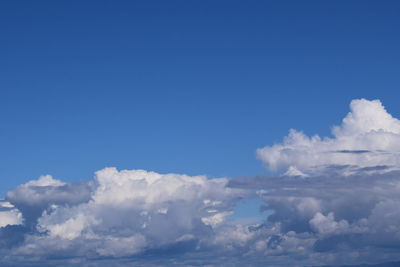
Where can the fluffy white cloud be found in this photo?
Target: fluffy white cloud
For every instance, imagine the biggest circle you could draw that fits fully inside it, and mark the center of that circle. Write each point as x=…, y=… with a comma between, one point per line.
x=128, y=212
x=326, y=225
x=347, y=213
x=9, y=215
x=368, y=138
x=45, y=180
x=36, y=196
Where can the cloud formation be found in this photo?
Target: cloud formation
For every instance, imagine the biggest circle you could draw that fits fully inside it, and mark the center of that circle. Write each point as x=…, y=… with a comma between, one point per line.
x=332, y=219
x=120, y=213
x=336, y=203
x=9, y=215
x=368, y=137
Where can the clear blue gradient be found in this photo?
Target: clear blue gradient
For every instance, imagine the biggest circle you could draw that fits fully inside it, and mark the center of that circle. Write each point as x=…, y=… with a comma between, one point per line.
x=189, y=87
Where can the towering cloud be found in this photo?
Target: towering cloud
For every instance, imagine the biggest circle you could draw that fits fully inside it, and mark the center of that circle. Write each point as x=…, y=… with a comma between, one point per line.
x=368, y=138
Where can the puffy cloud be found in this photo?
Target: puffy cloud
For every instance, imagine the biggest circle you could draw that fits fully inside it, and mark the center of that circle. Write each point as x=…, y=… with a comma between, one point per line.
x=334, y=219
x=347, y=209
x=121, y=213
x=336, y=203
x=9, y=215
x=36, y=196
x=368, y=139
x=326, y=225
x=44, y=180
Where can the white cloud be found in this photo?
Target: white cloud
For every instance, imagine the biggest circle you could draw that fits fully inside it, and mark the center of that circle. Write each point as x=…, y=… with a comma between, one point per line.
x=10, y=217
x=37, y=196
x=368, y=137
x=326, y=225
x=45, y=180
x=336, y=204
x=128, y=212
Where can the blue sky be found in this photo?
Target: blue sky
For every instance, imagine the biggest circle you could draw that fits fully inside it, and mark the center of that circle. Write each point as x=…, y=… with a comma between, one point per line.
x=181, y=86
x=196, y=87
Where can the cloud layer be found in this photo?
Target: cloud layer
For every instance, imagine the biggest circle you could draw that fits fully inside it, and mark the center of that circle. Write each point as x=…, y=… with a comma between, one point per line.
x=337, y=203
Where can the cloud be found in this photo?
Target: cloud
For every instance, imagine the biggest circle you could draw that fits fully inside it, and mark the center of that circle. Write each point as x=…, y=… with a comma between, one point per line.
x=335, y=204
x=9, y=215
x=37, y=196
x=368, y=137
x=336, y=201
x=120, y=213
x=152, y=219
x=336, y=219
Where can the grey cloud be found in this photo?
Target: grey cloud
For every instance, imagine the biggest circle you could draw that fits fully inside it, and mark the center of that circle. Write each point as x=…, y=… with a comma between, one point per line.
x=119, y=214
x=336, y=204
x=33, y=200
x=352, y=151
x=337, y=214
x=144, y=218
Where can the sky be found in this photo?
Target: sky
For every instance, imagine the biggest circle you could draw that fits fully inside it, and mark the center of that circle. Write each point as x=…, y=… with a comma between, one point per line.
x=187, y=88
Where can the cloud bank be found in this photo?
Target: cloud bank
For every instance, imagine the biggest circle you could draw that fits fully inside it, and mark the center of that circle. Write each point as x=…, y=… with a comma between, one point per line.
x=119, y=213
x=336, y=203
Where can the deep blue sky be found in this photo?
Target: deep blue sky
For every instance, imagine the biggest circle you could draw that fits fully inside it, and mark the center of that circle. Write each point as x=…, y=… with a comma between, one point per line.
x=182, y=86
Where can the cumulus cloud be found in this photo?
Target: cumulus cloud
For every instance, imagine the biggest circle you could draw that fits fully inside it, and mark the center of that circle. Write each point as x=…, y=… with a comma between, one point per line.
x=335, y=204
x=37, y=196
x=9, y=215
x=336, y=219
x=346, y=212
x=368, y=138
x=120, y=213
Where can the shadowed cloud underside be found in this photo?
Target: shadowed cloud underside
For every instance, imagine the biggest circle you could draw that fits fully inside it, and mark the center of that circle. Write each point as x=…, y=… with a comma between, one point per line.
x=336, y=203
